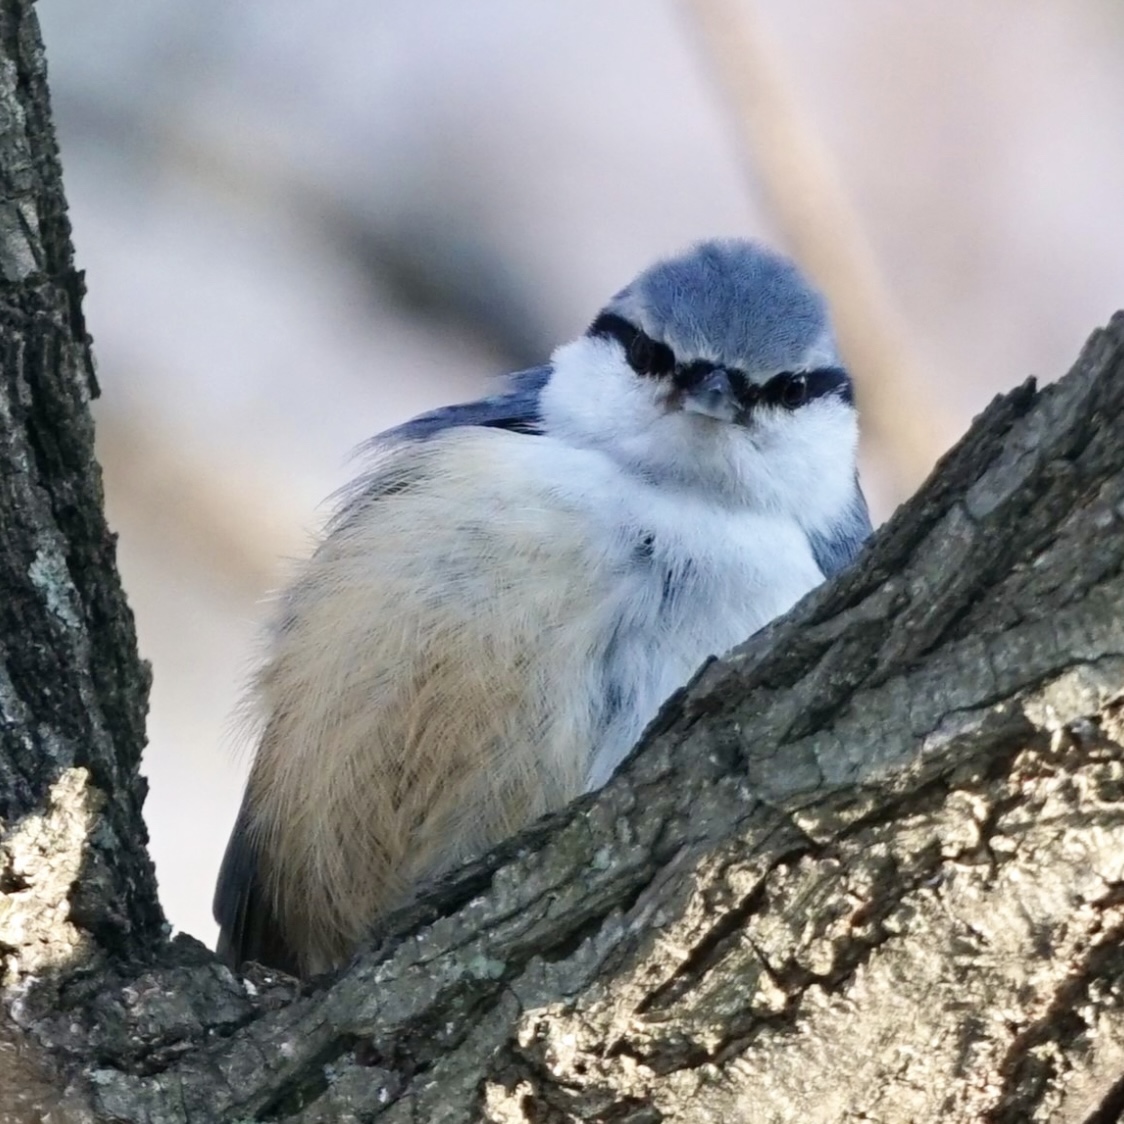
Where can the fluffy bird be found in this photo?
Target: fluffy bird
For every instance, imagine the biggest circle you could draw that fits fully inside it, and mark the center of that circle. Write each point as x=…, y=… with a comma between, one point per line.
x=506, y=597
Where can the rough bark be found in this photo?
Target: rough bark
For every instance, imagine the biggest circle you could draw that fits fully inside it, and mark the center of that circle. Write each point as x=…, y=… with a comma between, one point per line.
x=867, y=867
x=76, y=884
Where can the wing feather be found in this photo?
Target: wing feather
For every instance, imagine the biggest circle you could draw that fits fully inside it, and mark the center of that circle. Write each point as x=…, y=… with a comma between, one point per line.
x=838, y=548
x=516, y=409
x=403, y=714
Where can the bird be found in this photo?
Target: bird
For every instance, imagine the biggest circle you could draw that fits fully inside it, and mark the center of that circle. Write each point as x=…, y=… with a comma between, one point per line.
x=513, y=586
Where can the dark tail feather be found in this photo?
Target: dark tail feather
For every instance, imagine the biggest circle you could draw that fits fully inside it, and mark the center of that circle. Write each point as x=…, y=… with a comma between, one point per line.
x=248, y=927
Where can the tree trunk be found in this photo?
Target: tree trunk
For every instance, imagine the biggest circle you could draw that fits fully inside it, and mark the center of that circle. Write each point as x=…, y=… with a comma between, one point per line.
x=867, y=867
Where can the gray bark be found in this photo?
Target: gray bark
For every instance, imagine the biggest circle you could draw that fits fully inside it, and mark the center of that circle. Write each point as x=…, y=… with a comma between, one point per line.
x=76, y=884
x=866, y=867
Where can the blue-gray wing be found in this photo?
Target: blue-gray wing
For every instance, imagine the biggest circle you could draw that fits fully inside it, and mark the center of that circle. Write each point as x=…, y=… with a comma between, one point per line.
x=837, y=549
x=516, y=409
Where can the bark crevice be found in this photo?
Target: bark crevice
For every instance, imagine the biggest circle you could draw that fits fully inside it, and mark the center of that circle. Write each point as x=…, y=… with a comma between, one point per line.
x=869, y=864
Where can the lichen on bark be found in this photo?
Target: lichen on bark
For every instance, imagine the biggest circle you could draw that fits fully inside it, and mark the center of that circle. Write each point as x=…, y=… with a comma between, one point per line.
x=868, y=866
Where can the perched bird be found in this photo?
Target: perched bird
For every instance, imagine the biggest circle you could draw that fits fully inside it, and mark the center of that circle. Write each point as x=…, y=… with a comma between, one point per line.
x=505, y=598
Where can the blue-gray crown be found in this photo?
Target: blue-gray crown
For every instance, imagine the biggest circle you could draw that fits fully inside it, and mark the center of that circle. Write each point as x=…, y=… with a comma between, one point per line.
x=730, y=301
x=729, y=327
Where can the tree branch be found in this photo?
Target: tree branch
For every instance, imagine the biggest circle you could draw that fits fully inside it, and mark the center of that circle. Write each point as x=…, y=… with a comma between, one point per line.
x=72, y=690
x=867, y=865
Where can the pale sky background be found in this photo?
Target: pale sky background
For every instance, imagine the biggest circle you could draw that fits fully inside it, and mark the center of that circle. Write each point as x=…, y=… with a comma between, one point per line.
x=303, y=223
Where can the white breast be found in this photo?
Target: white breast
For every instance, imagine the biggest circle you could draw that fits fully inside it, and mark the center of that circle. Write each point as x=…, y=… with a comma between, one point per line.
x=682, y=579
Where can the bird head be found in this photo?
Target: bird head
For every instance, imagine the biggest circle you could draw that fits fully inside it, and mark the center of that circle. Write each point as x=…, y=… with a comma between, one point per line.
x=716, y=372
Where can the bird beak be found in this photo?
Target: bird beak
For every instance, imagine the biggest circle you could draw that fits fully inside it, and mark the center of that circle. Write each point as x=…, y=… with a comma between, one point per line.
x=713, y=397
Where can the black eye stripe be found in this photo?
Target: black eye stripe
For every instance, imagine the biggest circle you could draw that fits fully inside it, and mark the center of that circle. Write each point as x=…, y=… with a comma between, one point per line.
x=645, y=355
x=610, y=326
x=818, y=384
x=649, y=358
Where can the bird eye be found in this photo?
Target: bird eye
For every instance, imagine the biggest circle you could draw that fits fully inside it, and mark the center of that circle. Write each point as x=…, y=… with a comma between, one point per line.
x=640, y=353
x=663, y=360
x=646, y=357
x=794, y=391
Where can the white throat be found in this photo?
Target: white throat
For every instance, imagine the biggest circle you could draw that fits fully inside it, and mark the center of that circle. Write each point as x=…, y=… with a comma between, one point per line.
x=799, y=464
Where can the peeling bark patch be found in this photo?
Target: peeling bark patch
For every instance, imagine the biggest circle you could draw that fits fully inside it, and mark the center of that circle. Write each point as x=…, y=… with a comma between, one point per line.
x=48, y=574
x=40, y=860
x=850, y=950
x=1037, y=1056
x=1110, y=1110
x=868, y=867
x=902, y=909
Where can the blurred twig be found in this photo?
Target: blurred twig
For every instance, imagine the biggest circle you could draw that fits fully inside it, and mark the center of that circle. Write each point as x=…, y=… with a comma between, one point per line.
x=422, y=255
x=802, y=189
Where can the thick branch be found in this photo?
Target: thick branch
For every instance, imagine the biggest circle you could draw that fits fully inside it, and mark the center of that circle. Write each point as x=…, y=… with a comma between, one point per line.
x=868, y=863
x=72, y=691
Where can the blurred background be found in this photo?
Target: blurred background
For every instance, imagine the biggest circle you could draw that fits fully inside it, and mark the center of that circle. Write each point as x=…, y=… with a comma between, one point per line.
x=303, y=223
